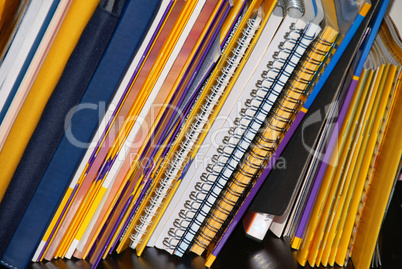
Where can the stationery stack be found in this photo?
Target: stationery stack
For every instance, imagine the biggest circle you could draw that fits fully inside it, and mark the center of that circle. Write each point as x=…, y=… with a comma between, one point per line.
x=159, y=123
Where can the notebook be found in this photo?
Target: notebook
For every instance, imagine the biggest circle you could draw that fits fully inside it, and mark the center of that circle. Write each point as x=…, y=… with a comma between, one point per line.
x=169, y=118
x=195, y=130
x=273, y=81
x=298, y=87
x=176, y=212
x=186, y=12
x=257, y=185
x=277, y=196
x=187, y=87
x=193, y=226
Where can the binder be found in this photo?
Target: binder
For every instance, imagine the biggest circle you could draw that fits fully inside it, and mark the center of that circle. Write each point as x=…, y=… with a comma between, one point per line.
x=179, y=218
x=120, y=49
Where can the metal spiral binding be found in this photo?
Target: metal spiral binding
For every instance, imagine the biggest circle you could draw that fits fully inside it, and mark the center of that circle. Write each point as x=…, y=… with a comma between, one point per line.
x=297, y=4
x=196, y=128
x=241, y=124
x=262, y=147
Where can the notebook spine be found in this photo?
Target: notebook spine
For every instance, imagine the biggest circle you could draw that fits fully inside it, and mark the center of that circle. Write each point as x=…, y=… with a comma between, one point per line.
x=196, y=128
x=261, y=149
x=208, y=188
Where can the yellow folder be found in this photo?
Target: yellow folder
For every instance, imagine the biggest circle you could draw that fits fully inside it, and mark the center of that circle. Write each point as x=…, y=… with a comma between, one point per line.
x=336, y=189
x=366, y=150
x=380, y=189
x=325, y=189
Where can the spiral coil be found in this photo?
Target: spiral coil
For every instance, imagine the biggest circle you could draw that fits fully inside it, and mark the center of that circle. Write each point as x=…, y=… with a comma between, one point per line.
x=192, y=135
x=295, y=4
x=225, y=153
x=267, y=139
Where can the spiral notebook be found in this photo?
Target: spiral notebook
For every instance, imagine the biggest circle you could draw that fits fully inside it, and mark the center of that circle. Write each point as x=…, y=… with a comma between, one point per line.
x=203, y=73
x=300, y=82
x=264, y=143
x=250, y=85
x=225, y=151
x=208, y=105
x=277, y=197
x=229, y=111
x=119, y=217
x=287, y=21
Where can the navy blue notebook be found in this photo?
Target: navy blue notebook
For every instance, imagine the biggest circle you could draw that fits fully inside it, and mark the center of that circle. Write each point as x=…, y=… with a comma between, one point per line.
x=131, y=28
